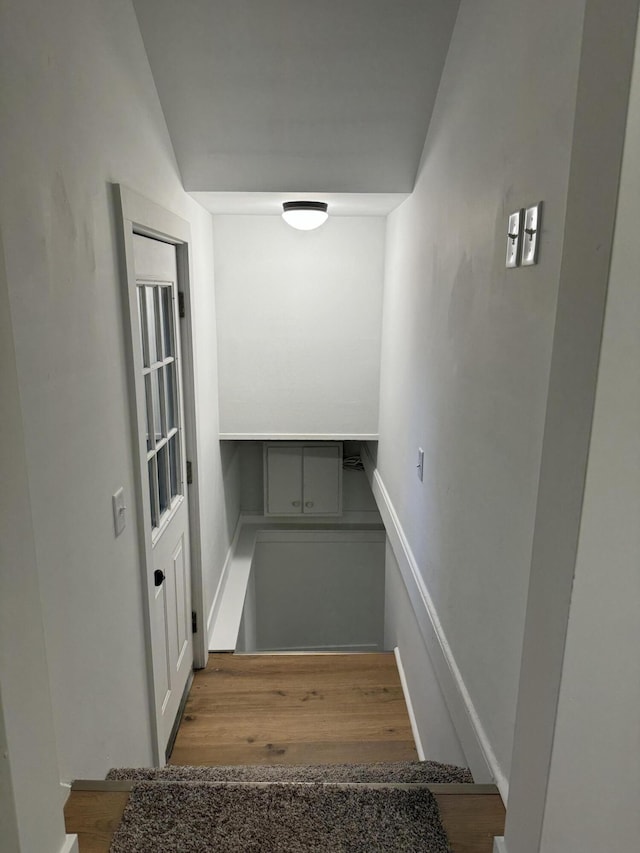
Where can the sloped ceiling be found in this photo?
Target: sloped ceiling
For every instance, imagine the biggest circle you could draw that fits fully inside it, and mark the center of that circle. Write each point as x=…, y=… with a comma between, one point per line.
x=308, y=96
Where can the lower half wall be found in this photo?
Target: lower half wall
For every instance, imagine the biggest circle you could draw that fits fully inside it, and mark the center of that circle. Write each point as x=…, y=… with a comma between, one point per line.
x=425, y=651
x=434, y=732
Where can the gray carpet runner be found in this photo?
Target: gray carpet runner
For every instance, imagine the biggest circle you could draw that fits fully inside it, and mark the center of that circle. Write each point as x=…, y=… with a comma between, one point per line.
x=398, y=771
x=204, y=817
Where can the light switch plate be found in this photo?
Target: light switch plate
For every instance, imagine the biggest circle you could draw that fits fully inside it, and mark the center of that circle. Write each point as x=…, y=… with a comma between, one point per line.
x=514, y=239
x=531, y=234
x=420, y=465
x=119, y=511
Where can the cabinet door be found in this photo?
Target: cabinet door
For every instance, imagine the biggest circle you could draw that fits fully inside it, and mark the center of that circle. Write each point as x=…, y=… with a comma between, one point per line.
x=322, y=474
x=284, y=481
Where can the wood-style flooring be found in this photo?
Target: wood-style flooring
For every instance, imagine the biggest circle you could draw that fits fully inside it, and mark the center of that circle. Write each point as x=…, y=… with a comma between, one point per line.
x=297, y=709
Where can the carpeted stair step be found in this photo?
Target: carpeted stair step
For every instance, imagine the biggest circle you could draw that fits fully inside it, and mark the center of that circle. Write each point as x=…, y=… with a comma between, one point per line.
x=192, y=817
x=396, y=772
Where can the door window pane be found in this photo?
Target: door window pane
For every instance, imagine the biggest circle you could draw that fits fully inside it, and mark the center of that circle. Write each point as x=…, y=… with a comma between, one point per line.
x=159, y=303
x=174, y=465
x=170, y=395
x=167, y=321
x=153, y=491
x=148, y=407
x=154, y=378
x=143, y=341
x=163, y=479
x=152, y=338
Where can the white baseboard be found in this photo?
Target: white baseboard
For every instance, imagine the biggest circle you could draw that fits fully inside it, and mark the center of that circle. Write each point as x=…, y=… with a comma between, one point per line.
x=407, y=701
x=498, y=844
x=473, y=738
x=70, y=845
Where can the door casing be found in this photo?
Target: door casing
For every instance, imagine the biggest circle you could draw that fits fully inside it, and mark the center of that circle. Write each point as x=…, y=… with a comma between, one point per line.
x=138, y=215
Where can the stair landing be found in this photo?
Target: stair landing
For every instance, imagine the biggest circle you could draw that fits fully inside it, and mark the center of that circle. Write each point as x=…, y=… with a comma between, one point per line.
x=295, y=709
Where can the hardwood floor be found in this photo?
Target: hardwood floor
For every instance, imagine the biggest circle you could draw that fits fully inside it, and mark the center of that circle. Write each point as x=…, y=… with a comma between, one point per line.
x=300, y=709
x=295, y=709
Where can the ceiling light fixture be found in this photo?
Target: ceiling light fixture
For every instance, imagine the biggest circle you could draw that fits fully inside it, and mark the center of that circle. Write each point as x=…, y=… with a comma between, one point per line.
x=305, y=215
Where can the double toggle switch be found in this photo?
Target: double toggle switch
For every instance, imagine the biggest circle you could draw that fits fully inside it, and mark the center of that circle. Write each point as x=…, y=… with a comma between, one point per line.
x=523, y=236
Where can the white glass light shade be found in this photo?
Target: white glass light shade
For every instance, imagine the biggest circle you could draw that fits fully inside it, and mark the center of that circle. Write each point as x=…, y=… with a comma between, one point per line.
x=305, y=215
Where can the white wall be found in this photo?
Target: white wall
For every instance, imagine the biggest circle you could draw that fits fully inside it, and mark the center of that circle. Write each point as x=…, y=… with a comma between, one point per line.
x=252, y=477
x=8, y=816
x=598, y=136
x=299, y=317
x=319, y=590
x=435, y=728
x=30, y=797
x=467, y=344
x=80, y=111
x=219, y=475
x=594, y=783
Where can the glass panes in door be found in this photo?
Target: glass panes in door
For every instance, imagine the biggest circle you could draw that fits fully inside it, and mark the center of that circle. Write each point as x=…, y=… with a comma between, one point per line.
x=174, y=465
x=170, y=396
x=167, y=322
x=157, y=328
x=156, y=404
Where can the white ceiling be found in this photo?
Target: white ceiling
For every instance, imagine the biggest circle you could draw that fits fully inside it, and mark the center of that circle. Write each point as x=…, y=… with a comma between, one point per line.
x=340, y=204
x=297, y=96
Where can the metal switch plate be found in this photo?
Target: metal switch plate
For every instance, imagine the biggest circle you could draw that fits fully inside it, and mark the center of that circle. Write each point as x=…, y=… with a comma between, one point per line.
x=531, y=234
x=420, y=465
x=119, y=512
x=514, y=234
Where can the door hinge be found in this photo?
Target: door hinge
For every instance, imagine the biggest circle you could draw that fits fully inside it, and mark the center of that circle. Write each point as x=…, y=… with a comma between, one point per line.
x=194, y=622
x=189, y=473
x=180, y=304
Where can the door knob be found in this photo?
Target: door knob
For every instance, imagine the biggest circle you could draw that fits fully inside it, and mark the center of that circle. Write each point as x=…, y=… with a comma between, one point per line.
x=309, y=503
x=158, y=577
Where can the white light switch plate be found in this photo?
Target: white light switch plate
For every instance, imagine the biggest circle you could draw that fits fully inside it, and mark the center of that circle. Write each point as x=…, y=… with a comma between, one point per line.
x=514, y=236
x=531, y=234
x=119, y=512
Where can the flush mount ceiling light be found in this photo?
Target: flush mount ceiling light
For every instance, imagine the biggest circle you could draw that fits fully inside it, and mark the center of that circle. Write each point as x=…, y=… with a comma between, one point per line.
x=305, y=215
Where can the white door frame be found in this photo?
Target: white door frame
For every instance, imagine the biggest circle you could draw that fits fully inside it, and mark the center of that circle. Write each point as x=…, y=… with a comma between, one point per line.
x=137, y=215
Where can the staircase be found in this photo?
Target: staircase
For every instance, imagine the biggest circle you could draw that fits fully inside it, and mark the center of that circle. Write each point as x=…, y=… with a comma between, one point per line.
x=470, y=814
x=282, y=723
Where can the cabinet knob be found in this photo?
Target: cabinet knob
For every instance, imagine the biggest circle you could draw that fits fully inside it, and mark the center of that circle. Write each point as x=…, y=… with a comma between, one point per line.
x=308, y=503
x=295, y=503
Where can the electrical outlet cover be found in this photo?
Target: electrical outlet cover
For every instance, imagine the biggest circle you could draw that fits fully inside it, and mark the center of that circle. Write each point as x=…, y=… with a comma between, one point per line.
x=531, y=234
x=119, y=512
x=514, y=239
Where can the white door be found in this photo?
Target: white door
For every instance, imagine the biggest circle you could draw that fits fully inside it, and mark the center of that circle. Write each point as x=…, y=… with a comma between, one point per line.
x=321, y=474
x=283, y=480
x=303, y=479
x=166, y=511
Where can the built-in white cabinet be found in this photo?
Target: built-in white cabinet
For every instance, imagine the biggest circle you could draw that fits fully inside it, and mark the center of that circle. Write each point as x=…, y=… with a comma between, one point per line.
x=303, y=478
